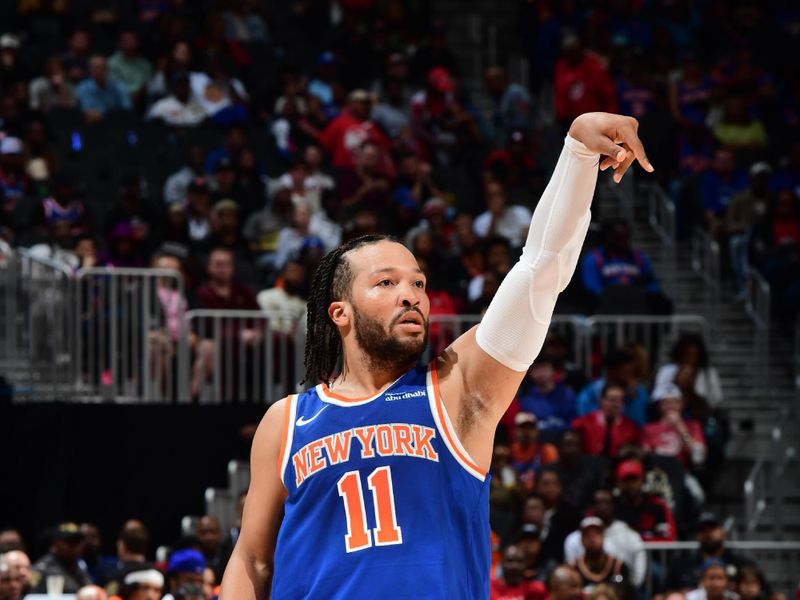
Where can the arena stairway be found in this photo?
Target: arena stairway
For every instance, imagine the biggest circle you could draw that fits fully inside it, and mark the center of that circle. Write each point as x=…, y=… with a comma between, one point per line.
x=753, y=411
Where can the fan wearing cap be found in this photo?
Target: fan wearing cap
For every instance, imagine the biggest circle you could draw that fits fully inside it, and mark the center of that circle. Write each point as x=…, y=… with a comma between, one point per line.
x=646, y=514
x=529, y=541
x=186, y=567
x=671, y=435
x=687, y=574
x=431, y=110
x=63, y=559
x=598, y=566
x=511, y=584
x=529, y=455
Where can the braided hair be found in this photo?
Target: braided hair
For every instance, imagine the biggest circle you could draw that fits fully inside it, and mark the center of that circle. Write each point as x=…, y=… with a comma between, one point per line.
x=332, y=281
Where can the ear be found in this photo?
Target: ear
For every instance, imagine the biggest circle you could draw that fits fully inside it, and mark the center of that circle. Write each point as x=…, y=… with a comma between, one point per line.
x=339, y=313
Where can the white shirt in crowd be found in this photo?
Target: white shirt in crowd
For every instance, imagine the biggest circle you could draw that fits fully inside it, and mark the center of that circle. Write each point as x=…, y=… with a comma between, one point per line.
x=619, y=540
x=513, y=224
x=174, y=112
x=706, y=382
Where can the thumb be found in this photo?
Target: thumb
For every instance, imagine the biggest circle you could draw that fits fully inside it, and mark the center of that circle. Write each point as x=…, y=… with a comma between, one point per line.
x=605, y=145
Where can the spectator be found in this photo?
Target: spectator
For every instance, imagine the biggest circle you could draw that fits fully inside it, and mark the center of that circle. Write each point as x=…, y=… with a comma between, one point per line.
x=210, y=536
x=671, y=435
x=178, y=109
x=646, y=514
x=552, y=402
x=510, y=222
x=749, y=584
x=63, y=204
x=744, y=209
x=14, y=184
x=235, y=142
x=179, y=60
x=529, y=541
x=263, y=228
x=11, y=71
x=10, y=584
x=53, y=89
x=19, y=567
x=222, y=97
x=91, y=592
x=198, y=211
x=129, y=67
x=604, y=431
x=288, y=297
x=635, y=92
x=177, y=184
x=413, y=186
x=514, y=166
x=512, y=584
x=221, y=292
x=99, y=94
x=91, y=556
x=390, y=111
x=185, y=569
x=597, y=565
x=618, y=539
x=142, y=582
x=617, y=263
x=581, y=82
x=580, y=474
x=560, y=518
x=718, y=186
x=433, y=119
x=497, y=264
x=739, y=130
x=325, y=86
x=688, y=573
x=527, y=454
x=564, y=583
x=775, y=251
x=366, y=186
x=242, y=24
x=306, y=180
x=76, y=58
x=689, y=93
x=292, y=238
x=345, y=135
x=511, y=108
x=620, y=367
x=63, y=559
x=11, y=539
x=132, y=545
x=713, y=583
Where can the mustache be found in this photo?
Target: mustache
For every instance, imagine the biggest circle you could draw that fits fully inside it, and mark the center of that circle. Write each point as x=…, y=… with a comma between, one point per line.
x=400, y=317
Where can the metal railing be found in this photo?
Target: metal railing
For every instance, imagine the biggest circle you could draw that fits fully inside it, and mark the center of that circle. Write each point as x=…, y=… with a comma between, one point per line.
x=656, y=334
x=661, y=216
x=764, y=481
x=245, y=356
x=778, y=559
x=706, y=264
x=132, y=334
x=758, y=307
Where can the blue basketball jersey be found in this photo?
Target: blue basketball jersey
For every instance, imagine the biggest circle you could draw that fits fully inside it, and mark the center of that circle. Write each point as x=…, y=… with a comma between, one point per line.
x=384, y=502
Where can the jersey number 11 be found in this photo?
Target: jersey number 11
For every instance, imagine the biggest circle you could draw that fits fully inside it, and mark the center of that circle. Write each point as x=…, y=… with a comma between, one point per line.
x=359, y=536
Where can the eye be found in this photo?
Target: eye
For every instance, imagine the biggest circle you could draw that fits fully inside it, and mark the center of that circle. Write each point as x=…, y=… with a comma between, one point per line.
x=420, y=284
x=385, y=282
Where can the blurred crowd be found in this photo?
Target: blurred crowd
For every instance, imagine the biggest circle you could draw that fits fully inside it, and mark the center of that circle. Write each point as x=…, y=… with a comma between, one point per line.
x=237, y=141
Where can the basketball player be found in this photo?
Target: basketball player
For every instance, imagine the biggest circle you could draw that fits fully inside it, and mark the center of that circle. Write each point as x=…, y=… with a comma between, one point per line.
x=374, y=484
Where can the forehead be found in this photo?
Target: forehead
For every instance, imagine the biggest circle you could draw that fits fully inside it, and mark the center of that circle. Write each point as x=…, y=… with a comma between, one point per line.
x=374, y=258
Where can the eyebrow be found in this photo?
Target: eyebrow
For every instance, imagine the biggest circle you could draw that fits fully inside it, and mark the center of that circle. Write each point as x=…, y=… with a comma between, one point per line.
x=391, y=270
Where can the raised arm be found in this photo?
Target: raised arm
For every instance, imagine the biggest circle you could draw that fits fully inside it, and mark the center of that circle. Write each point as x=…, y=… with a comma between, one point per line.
x=250, y=567
x=481, y=371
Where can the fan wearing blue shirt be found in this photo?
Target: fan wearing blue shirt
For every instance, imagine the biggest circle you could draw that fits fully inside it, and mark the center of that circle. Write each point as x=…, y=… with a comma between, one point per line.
x=620, y=371
x=99, y=94
x=553, y=403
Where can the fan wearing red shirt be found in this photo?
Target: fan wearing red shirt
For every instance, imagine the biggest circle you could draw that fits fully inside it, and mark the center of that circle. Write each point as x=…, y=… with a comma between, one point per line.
x=672, y=435
x=511, y=586
x=647, y=514
x=606, y=430
x=344, y=136
x=582, y=83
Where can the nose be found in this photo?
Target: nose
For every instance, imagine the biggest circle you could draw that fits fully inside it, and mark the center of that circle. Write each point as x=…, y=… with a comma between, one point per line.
x=408, y=295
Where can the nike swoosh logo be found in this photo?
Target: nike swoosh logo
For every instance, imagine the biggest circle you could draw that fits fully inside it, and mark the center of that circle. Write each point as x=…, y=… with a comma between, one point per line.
x=303, y=421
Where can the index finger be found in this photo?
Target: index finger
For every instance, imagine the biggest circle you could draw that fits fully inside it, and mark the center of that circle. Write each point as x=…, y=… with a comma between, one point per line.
x=631, y=138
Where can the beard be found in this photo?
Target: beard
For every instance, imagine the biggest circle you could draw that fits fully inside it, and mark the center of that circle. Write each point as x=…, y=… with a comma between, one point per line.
x=384, y=350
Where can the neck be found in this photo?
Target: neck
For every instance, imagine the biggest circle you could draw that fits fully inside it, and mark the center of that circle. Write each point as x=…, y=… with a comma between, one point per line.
x=361, y=377
x=221, y=287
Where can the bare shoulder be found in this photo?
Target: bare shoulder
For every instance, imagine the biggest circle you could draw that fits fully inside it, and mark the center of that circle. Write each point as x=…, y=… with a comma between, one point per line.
x=270, y=432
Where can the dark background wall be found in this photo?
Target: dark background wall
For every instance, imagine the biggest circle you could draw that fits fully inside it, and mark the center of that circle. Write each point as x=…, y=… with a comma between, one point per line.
x=105, y=464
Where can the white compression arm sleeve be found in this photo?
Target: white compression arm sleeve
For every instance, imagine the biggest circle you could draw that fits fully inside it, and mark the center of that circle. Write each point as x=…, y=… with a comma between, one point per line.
x=515, y=324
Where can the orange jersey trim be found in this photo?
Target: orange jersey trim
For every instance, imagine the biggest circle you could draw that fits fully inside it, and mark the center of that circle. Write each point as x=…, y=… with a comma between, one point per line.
x=451, y=437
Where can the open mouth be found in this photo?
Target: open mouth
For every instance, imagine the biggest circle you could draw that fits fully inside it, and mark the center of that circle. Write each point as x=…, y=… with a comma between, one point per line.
x=411, y=318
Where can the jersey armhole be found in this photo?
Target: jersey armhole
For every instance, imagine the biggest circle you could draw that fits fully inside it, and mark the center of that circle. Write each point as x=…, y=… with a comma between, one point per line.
x=445, y=426
x=287, y=435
